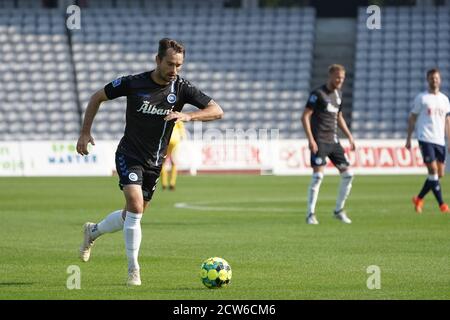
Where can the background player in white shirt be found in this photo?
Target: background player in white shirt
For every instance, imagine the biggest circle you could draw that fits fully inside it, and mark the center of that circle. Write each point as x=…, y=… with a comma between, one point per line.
x=429, y=117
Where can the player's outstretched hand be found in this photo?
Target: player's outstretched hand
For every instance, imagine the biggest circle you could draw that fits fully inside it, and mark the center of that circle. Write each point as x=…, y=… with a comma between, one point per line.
x=352, y=145
x=82, y=144
x=178, y=116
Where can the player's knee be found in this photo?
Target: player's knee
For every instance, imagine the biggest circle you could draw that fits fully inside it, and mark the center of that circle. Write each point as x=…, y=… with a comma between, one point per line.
x=347, y=174
x=441, y=174
x=432, y=167
x=318, y=176
x=316, y=180
x=135, y=206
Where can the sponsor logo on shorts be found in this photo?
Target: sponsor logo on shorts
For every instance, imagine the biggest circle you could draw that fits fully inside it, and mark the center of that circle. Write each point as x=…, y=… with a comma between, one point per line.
x=133, y=176
x=341, y=165
x=318, y=161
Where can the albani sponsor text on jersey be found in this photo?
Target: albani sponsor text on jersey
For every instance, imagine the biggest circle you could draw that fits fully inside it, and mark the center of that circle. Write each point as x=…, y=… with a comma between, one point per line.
x=148, y=108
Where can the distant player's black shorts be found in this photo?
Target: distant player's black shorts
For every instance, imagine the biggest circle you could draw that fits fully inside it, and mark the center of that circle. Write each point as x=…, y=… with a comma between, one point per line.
x=131, y=171
x=432, y=152
x=334, y=151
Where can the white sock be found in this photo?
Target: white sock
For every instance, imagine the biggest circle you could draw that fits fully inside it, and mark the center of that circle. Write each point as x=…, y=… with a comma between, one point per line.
x=133, y=236
x=112, y=223
x=344, y=190
x=313, y=191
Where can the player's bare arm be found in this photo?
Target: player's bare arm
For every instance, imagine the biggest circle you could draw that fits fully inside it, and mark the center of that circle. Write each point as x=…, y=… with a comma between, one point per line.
x=411, y=125
x=343, y=126
x=306, y=121
x=447, y=131
x=211, y=112
x=85, y=136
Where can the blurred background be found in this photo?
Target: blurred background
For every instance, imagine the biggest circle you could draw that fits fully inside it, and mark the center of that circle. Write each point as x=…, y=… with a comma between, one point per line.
x=258, y=59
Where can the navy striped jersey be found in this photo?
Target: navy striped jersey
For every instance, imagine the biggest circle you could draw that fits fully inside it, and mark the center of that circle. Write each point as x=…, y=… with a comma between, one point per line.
x=147, y=134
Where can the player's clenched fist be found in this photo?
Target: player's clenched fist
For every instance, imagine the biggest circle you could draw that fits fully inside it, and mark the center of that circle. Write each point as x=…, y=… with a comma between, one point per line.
x=178, y=116
x=313, y=146
x=82, y=144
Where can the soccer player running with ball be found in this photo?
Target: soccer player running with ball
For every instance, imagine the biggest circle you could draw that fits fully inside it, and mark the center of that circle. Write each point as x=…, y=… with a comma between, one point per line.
x=154, y=103
x=430, y=117
x=321, y=118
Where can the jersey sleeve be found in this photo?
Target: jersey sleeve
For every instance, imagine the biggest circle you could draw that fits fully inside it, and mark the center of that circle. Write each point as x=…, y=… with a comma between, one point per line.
x=118, y=88
x=448, y=107
x=312, y=101
x=194, y=96
x=341, y=105
x=417, y=105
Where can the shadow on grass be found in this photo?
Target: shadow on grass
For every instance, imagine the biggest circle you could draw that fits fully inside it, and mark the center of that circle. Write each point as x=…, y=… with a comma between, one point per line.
x=148, y=287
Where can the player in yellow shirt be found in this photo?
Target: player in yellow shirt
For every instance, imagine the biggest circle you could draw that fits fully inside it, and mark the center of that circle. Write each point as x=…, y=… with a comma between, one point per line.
x=178, y=134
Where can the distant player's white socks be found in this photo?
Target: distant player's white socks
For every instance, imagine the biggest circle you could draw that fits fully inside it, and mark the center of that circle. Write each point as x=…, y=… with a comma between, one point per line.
x=133, y=236
x=344, y=189
x=313, y=191
x=112, y=223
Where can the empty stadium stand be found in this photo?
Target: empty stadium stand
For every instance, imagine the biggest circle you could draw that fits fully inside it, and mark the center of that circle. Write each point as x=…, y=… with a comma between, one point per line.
x=391, y=64
x=256, y=63
x=37, y=97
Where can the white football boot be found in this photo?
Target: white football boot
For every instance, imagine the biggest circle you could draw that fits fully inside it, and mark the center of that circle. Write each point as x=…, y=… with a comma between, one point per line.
x=342, y=215
x=311, y=219
x=88, y=242
x=134, y=278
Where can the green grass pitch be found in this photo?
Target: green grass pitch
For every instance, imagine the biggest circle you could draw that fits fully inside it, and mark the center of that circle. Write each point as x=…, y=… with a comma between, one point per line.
x=256, y=223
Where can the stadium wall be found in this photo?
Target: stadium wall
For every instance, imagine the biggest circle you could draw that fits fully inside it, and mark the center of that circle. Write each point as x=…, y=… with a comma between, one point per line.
x=279, y=157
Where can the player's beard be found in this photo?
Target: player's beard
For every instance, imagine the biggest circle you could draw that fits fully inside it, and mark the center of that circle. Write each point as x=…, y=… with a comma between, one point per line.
x=338, y=86
x=167, y=77
x=434, y=87
x=171, y=78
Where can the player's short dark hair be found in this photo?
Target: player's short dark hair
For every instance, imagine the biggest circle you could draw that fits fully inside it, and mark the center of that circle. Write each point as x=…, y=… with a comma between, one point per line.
x=166, y=43
x=335, y=67
x=432, y=71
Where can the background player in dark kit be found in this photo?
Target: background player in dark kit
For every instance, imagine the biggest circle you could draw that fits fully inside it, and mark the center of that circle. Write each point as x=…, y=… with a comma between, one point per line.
x=321, y=118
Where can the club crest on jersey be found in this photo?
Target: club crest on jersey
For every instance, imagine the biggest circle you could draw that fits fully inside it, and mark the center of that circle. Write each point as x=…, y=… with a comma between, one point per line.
x=116, y=82
x=171, y=98
x=313, y=98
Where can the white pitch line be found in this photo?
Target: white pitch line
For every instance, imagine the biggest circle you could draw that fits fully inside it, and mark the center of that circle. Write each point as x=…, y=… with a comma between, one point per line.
x=209, y=205
x=183, y=205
